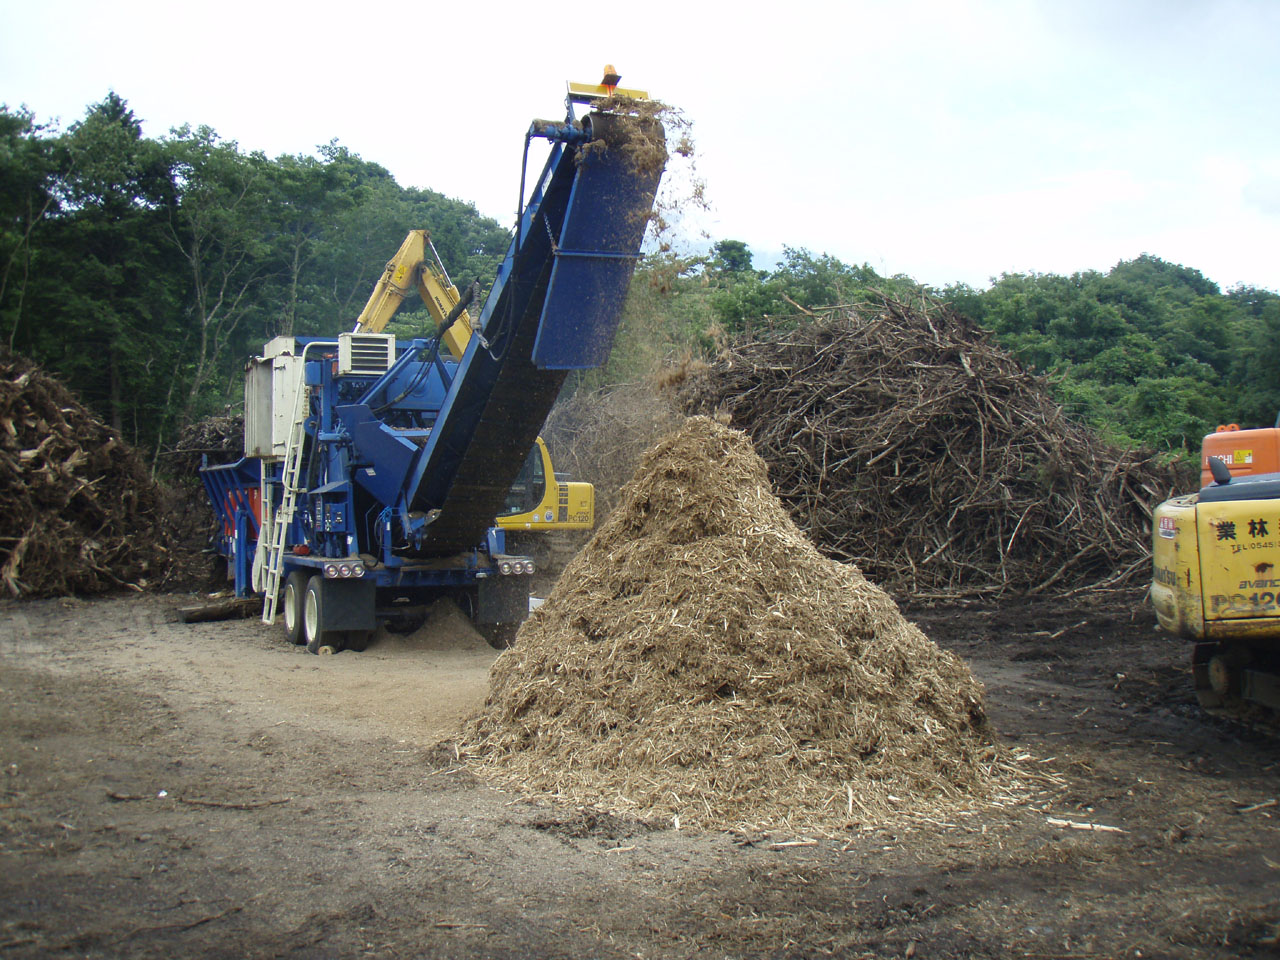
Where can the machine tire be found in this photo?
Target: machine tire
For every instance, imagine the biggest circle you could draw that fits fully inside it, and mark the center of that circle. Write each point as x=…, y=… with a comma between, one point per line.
x=295, y=588
x=499, y=635
x=318, y=639
x=357, y=640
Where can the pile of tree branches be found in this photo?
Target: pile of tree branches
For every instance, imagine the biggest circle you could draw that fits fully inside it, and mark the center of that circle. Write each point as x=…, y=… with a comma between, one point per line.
x=79, y=512
x=904, y=439
x=219, y=438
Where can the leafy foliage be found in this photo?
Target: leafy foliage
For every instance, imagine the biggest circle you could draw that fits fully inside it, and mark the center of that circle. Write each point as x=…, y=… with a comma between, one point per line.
x=1149, y=352
x=745, y=299
x=142, y=271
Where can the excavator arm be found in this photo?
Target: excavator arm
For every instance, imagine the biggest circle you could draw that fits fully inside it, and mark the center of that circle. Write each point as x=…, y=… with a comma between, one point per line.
x=416, y=265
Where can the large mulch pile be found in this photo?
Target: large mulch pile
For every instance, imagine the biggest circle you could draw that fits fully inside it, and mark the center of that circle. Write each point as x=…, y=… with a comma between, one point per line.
x=700, y=661
x=903, y=438
x=79, y=512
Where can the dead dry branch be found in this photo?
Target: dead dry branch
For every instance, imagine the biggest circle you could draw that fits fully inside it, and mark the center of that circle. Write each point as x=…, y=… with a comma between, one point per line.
x=600, y=435
x=79, y=513
x=904, y=439
x=219, y=438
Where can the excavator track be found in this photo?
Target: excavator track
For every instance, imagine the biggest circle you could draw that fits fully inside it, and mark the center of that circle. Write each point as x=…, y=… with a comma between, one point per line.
x=1239, y=683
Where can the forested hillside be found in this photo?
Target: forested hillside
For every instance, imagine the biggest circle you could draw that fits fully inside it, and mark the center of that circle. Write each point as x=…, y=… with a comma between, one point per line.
x=142, y=271
x=1150, y=351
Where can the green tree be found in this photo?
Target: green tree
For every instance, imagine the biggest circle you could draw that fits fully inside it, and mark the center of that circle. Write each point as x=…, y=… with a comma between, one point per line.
x=1150, y=351
x=747, y=299
x=729, y=257
x=306, y=196
x=103, y=294
x=220, y=224
x=31, y=162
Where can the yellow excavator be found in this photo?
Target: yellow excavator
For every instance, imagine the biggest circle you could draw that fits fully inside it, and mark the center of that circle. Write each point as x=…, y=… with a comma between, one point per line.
x=1216, y=581
x=539, y=500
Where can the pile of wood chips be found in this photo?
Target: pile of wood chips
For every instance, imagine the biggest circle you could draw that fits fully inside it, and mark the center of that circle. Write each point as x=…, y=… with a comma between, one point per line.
x=903, y=438
x=79, y=512
x=700, y=662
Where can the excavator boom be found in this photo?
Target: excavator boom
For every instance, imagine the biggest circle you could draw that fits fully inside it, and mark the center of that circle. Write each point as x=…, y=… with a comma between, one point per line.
x=415, y=266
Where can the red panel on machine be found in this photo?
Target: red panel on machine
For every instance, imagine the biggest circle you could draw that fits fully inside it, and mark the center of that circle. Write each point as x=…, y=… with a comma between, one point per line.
x=252, y=496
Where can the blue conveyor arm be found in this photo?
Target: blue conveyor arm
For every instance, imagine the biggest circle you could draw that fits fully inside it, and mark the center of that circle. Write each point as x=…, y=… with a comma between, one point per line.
x=554, y=307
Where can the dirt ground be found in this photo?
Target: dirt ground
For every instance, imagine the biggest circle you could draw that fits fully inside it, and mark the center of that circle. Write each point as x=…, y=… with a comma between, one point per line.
x=208, y=790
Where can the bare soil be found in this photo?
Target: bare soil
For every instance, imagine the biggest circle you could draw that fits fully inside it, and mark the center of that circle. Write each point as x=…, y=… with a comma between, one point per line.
x=209, y=790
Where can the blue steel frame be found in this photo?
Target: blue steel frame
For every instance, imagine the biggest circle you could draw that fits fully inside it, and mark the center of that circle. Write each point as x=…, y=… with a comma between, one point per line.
x=568, y=266
x=326, y=514
x=228, y=487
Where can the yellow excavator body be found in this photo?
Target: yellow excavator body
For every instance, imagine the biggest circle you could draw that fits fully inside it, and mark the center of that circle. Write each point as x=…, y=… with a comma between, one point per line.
x=551, y=503
x=1216, y=582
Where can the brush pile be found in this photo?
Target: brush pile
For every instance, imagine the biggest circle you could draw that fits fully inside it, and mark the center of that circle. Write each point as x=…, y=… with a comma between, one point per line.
x=220, y=438
x=700, y=661
x=79, y=512
x=903, y=438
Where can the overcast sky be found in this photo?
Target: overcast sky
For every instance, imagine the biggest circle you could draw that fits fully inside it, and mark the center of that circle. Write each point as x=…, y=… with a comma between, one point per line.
x=951, y=141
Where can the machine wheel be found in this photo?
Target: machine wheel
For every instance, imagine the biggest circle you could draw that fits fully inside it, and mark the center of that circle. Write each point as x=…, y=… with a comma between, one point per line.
x=1226, y=670
x=499, y=635
x=295, y=588
x=318, y=639
x=357, y=640
x=1219, y=674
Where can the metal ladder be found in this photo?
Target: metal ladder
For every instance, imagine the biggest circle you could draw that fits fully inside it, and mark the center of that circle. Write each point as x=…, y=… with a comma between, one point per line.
x=283, y=515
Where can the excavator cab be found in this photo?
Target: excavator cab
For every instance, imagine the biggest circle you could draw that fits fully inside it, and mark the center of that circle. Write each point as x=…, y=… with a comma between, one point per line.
x=530, y=485
x=542, y=500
